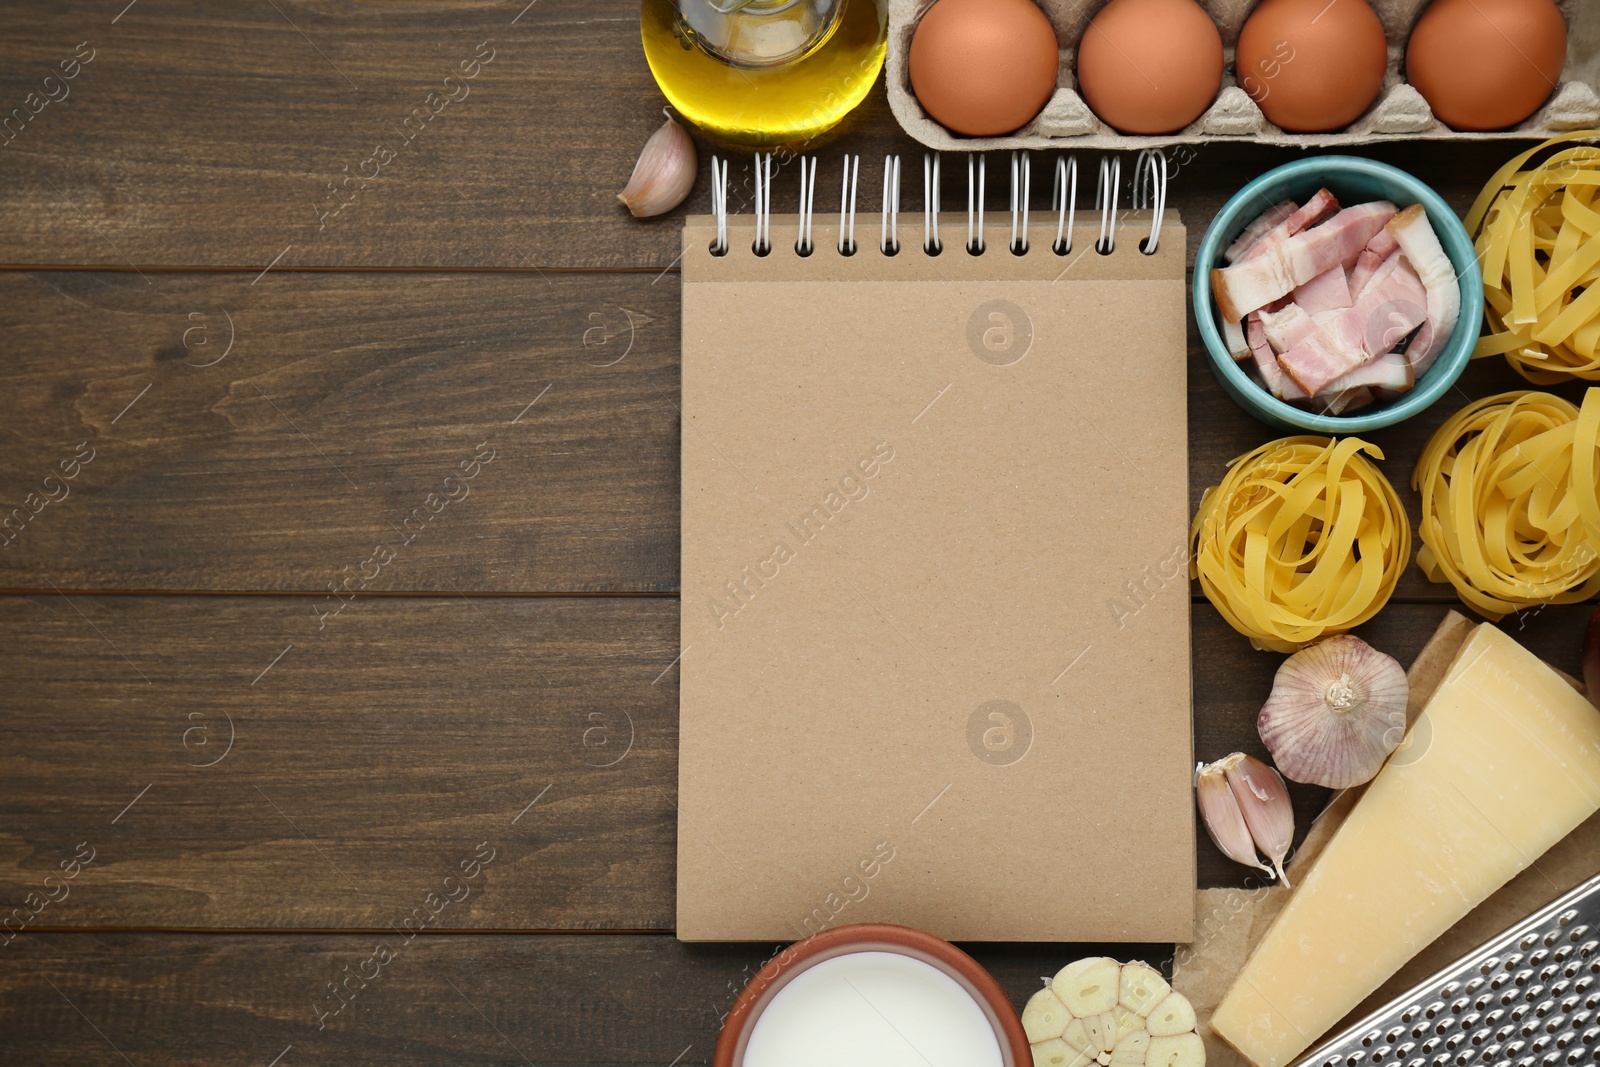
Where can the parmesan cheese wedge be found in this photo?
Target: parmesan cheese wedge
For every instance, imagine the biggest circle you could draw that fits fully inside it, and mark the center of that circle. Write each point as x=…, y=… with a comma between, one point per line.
x=1503, y=763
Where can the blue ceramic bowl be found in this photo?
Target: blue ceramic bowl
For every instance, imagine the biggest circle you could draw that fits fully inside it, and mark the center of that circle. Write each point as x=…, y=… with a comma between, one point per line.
x=1353, y=180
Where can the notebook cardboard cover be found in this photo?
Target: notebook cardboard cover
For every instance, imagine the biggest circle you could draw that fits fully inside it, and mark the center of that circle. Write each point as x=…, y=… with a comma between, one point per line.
x=935, y=615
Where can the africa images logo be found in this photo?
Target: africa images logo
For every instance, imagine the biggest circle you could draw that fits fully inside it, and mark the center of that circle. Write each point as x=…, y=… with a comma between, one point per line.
x=999, y=332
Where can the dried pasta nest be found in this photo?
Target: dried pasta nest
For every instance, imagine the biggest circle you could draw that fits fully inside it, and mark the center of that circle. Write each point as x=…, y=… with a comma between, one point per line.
x=1511, y=503
x=1304, y=537
x=1538, y=238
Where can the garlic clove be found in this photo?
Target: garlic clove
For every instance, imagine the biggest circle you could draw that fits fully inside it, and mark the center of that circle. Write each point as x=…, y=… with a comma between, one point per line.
x=1264, y=801
x=664, y=172
x=1224, y=820
x=1337, y=709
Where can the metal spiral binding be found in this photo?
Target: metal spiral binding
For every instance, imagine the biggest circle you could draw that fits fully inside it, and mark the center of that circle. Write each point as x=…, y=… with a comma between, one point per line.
x=808, y=197
x=1105, y=202
x=930, y=204
x=1064, y=202
x=1151, y=176
x=763, y=168
x=889, y=238
x=1021, y=167
x=1150, y=190
x=975, y=245
x=847, y=206
x=719, y=205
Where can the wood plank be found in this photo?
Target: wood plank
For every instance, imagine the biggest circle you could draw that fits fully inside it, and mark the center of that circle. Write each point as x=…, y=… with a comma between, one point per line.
x=351, y=396
x=374, y=755
x=187, y=1000
x=272, y=436
x=368, y=760
x=139, y=166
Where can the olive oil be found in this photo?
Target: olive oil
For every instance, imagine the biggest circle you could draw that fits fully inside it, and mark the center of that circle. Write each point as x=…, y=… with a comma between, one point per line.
x=764, y=72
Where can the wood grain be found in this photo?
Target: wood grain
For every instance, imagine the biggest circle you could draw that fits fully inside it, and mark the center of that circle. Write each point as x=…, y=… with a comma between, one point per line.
x=187, y=1000
x=279, y=464
x=203, y=138
x=371, y=756
x=369, y=759
x=344, y=404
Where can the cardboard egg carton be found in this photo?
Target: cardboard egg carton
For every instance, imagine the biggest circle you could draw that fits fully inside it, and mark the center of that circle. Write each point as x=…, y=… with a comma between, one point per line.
x=1399, y=113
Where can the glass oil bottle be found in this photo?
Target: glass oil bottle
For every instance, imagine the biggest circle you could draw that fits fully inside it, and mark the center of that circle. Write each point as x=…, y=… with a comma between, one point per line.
x=764, y=72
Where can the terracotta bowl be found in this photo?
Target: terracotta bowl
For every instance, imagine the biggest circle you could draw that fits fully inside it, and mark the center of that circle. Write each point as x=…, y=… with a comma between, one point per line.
x=873, y=937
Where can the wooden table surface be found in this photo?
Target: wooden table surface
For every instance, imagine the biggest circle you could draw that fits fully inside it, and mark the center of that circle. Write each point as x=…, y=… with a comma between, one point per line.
x=288, y=751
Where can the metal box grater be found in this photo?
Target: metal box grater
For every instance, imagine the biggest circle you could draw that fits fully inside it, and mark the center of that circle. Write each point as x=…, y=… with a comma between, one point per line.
x=1528, y=998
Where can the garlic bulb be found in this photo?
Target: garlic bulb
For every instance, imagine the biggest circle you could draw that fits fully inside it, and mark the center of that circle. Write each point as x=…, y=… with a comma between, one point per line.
x=1337, y=709
x=664, y=173
x=1098, y=1012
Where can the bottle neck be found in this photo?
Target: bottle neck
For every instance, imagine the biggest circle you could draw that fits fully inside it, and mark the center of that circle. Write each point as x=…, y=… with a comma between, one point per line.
x=758, y=33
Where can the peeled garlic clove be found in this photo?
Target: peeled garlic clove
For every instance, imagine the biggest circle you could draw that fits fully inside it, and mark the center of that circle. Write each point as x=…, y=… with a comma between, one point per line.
x=1337, y=709
x=1220, y=811
x=664, y=173
x=1264, y=801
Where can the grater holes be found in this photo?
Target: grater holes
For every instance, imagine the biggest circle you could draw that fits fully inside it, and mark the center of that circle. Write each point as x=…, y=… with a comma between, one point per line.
x=1552, y=937
x=1586, y=949
x=1549, y=971
x=1561, y=953
x=1521, y=977
x=1395, y=1035
x=1528, y=942
x=1458, y=1006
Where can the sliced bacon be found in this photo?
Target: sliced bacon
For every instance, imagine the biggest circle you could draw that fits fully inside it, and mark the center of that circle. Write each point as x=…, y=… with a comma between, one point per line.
x=1393, y=304
x=1233, y=337
x=1427, y=257
x=1286, y=263
x=1378, y=249
x=1258, y=228
x=1321, y=206
x=1328, y=291
x=1390, y=372
x=1266, y=362
x=1339, y=403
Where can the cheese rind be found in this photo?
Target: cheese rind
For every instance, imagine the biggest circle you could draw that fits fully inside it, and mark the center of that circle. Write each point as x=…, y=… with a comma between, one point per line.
x=1503, y=763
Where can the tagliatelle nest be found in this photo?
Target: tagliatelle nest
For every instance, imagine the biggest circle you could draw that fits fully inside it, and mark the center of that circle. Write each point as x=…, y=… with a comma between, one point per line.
x=1538, y=238
x=1304, y=537
x=1510, y=502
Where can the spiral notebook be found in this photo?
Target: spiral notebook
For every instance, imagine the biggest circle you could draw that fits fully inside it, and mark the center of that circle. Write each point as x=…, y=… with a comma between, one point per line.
x=935, y=614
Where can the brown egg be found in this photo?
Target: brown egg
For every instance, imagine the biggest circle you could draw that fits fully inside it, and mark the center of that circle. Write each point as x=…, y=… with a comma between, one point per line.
x=983, y=67
x=1150, y=66
x=1486, y=64
x=1312, y=65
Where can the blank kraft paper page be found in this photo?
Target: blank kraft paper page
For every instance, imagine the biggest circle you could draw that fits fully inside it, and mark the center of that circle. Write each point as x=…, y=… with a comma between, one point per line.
x=935, y=620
